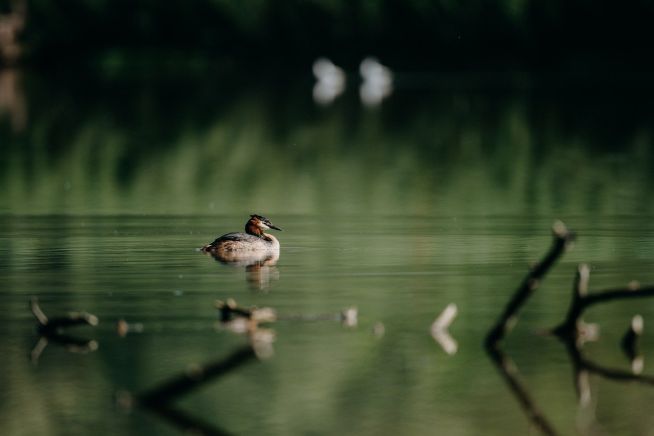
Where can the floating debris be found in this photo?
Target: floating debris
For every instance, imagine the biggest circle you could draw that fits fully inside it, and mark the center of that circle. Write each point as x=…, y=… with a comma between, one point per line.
x=123, y=327
x=439, y=329
x=262, y=340
x=244, y=321
x=239, y=326
x=349, y=316
x=229, y=310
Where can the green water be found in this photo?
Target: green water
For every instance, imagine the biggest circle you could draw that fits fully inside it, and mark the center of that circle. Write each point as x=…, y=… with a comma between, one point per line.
x=444, y=194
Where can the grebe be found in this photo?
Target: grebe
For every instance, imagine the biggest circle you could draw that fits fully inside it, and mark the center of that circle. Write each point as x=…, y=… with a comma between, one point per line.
x=254, y=239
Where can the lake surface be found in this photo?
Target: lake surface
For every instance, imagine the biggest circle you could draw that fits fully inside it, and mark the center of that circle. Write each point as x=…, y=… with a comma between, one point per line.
x=445, y=193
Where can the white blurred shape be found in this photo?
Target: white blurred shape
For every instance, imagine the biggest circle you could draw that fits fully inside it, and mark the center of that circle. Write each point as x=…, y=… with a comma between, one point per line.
x=439, y=329
x=350, y=316
x=377, y=82
x=638, y=364
x=330, y=81
x=637, y=324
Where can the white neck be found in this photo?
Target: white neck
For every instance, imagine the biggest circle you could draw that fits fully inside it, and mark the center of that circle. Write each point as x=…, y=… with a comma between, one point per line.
x=272, y=239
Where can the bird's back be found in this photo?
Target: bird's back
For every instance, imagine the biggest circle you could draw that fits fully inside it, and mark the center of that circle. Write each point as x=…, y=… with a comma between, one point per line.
x=239, y=241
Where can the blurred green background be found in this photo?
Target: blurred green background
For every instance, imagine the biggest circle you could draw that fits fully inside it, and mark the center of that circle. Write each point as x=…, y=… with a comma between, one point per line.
x=208, y=146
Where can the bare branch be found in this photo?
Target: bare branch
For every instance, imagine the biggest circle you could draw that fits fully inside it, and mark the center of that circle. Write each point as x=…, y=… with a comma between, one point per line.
x=562, y=238
x=582, y=299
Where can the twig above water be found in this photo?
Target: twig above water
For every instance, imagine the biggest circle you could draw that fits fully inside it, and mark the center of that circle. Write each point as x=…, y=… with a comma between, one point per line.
x=53, y=325
x=573, y=332
x=562, y=238
x=582, y=299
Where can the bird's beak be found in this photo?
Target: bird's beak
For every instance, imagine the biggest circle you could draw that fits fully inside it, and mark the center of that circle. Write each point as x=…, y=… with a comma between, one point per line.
x=273, y=227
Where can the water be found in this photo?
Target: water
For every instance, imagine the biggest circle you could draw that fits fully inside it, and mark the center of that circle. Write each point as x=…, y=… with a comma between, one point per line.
x=438, y=198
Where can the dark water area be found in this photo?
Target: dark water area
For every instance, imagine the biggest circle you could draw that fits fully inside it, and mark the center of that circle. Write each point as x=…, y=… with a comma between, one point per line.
x=444, y=193
x=408, y=34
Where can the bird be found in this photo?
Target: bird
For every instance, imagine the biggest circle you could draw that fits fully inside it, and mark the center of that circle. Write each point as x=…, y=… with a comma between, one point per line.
x=254, y=240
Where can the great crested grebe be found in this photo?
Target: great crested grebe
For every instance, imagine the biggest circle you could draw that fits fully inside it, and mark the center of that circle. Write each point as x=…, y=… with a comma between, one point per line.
x=253, y=240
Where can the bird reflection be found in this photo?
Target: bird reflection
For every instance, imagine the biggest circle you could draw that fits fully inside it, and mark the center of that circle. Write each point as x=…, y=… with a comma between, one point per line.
x=260, y=267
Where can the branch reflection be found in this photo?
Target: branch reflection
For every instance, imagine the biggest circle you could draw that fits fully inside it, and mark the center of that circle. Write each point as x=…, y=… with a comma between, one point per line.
x=159, y=398
x=51, y=331
x=509, y=372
